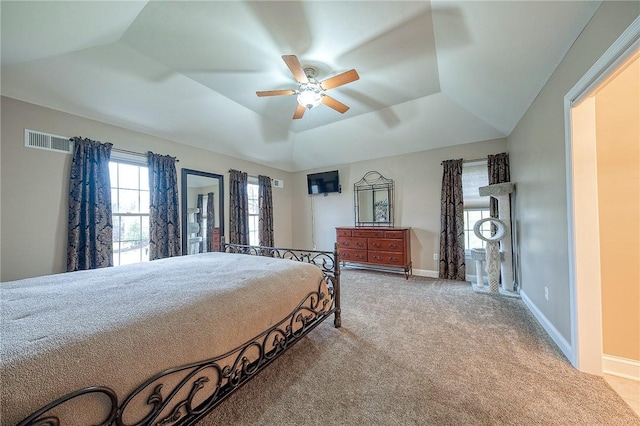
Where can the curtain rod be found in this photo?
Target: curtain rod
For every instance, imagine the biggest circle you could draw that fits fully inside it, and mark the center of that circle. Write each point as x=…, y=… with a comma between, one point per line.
x=139, y=154
x=470, y=161
x=248, y=175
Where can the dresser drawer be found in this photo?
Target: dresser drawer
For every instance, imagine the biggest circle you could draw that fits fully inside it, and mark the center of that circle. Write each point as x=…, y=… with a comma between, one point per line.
x=367, y=233
x=386, y=258
x=394, y=234
x=343, y=232
x=347, y=255
x=352, y=243
x=375, y=246
x=385, y=244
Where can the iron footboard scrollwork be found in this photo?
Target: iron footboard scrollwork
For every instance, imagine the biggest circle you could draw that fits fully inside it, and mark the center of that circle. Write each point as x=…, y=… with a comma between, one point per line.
x=327, y=261
x=185, y=394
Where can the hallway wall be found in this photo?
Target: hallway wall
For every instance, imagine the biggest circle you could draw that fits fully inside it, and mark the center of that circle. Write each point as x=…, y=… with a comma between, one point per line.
x=618, y=161
x=538, y=165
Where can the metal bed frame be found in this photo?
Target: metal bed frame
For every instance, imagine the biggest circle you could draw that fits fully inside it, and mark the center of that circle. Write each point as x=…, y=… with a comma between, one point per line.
x=184, y=402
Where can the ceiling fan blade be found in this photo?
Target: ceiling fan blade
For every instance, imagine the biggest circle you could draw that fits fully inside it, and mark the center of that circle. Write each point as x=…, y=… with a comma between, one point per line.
x=339, y=80
x=296, y=69
x=299, y=112
x=332, y=103
x=275, y=92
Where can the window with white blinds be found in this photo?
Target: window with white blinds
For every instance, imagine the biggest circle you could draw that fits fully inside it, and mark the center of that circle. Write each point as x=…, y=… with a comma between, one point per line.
x=474, y=176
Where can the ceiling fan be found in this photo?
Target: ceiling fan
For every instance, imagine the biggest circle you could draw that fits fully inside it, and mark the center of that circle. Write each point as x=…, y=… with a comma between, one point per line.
x=311, y=91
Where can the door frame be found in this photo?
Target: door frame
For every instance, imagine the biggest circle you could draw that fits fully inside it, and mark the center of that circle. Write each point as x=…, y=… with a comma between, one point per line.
x=586, y=300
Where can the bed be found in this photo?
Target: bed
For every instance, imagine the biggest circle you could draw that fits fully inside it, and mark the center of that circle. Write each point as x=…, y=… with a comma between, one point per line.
x=161, y=342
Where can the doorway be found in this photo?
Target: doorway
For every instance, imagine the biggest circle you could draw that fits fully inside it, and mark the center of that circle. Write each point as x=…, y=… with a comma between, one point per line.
x=601, y=167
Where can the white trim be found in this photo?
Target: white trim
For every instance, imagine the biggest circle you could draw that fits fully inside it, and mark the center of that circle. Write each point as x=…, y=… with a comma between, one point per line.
x=474, y=278
x=392, y=269
x=473, y=163
x=125, y=157
x=434, y=274
x=614, y=56
x=616, y=53
x=559, y=340
x=621, y=367
x=425, y=273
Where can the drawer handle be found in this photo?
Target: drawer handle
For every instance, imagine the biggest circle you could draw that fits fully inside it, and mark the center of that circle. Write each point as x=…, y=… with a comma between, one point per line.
x=393, y=259
x=345, y=243
x=359, y=256
x=393, y=246
x=376, y=245
x=359, y=244
x=377, y=257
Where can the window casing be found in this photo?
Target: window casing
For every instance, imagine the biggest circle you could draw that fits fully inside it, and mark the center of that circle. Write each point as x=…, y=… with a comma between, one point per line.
x=474, y=176
x=130, y=212
x=254, y=213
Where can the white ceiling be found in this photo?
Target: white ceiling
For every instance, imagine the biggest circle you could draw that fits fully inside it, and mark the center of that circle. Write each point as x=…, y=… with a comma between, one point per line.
x=432, y=74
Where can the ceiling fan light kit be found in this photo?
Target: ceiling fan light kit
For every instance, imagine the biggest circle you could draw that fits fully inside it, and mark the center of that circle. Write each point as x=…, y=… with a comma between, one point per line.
x=310, y=92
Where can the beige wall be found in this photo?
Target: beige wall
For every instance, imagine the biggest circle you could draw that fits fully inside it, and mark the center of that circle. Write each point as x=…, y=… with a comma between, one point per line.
x=618, y=162
x=34, y=184
x=538, y=167
x=417, y=178
x=38, y=179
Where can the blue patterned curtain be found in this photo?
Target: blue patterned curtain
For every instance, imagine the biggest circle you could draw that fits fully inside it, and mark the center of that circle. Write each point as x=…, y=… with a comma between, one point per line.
x=164, y=221
x=265, y=203
x=90, y=234
x=452, y=262
x=238, y=208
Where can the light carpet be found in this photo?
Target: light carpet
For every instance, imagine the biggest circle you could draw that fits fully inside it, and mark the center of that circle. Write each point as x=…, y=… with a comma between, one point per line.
x=428, y=352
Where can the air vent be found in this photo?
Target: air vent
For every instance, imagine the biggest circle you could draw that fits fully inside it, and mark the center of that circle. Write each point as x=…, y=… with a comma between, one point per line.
x=277, y=183
x=39, y=140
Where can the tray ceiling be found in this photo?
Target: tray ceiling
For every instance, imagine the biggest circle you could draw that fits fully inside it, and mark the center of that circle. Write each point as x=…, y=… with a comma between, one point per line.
x=432, y=74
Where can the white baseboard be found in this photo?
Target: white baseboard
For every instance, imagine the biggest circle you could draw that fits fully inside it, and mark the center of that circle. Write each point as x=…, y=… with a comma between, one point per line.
x=473, y=278
x=434, y=274
x=425, y=273
x=553, y=332
x=417, y=272
x=621, y=367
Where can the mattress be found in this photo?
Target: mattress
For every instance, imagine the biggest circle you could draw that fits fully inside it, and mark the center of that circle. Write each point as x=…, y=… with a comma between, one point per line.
x=118, y=326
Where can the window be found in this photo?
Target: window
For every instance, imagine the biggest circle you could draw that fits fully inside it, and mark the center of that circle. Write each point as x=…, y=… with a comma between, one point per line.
x=254, y=213
x=474, y=176
x=203, y=225
x=130, y=212
x=471, y=216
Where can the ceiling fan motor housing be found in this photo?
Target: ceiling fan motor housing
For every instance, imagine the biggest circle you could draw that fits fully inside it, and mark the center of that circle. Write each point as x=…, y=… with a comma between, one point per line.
x=310, y=72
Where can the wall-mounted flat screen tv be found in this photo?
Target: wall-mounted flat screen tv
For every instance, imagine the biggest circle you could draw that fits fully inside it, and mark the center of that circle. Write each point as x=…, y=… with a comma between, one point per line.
x=323, y=183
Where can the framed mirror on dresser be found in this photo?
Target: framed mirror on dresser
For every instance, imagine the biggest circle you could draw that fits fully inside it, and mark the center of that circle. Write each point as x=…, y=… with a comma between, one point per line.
x=374, y=241
x=202, y=211
x=373, y=200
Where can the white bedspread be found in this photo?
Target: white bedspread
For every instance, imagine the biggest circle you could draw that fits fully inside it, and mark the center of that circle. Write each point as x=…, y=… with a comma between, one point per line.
x=118, y=326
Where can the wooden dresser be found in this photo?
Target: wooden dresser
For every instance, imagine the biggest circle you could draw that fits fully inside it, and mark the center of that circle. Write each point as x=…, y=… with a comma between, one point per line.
x=376, y=246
